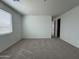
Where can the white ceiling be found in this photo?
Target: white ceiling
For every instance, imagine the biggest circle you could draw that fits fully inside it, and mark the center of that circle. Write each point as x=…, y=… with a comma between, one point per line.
x=41, y=7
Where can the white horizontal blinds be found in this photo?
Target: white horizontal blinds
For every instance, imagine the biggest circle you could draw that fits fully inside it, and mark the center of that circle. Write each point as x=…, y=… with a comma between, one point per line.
x=5, y=22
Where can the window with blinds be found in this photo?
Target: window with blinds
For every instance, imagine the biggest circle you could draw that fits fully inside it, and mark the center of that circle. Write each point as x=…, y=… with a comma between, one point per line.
x=5, y=22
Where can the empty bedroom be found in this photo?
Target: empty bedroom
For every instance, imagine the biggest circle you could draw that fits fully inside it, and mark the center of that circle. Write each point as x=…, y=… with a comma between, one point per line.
x=39, y=29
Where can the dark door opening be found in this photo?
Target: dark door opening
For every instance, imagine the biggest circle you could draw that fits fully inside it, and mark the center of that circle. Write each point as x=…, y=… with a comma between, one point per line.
x=58, y=27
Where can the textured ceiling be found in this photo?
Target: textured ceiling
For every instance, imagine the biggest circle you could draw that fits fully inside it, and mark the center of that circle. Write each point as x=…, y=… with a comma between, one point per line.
x=42, y=7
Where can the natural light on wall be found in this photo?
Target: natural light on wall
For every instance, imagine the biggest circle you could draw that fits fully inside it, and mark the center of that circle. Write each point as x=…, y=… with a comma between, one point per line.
x=5, y=22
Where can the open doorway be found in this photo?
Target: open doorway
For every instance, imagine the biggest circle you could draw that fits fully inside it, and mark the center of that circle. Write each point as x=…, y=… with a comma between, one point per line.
x=58, y=27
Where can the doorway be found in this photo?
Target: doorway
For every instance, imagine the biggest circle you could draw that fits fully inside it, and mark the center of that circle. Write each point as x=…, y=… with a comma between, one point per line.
x=58, y=27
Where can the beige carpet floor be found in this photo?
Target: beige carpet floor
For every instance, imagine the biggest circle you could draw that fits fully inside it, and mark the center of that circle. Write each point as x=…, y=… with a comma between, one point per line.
x=41, y=49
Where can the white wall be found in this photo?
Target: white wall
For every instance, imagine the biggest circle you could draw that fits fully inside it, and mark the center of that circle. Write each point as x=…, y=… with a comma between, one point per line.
x=37, y=27
x=70, y=26
x=9, y=39
x=52, y=28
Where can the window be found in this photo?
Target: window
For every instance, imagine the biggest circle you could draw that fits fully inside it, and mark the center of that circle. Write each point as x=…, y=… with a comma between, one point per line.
x=5, y=22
